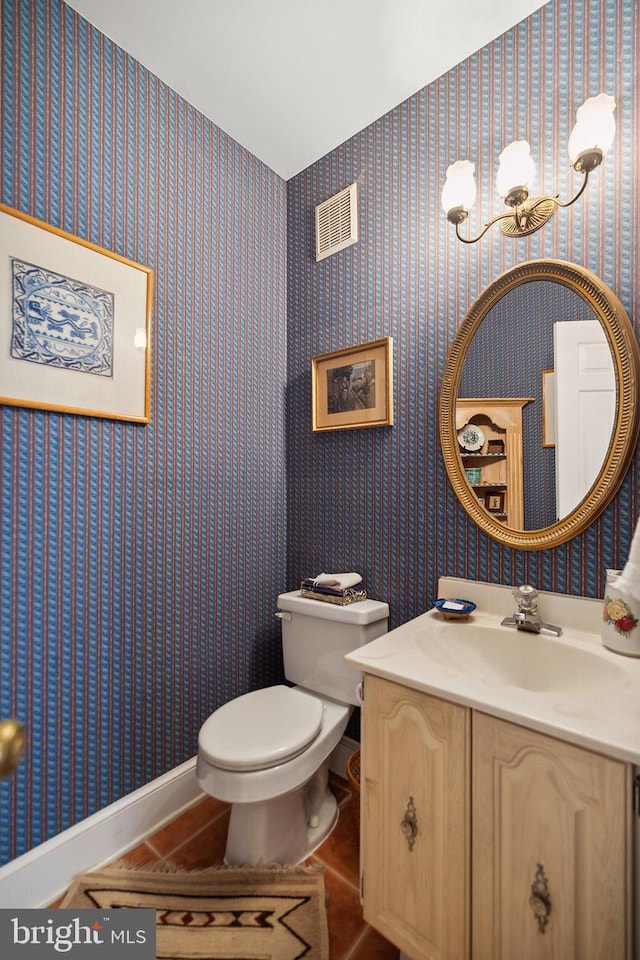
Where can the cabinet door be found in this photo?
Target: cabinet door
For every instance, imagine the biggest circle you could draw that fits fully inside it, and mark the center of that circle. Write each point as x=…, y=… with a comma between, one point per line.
x=415, y=820
x=555, y=818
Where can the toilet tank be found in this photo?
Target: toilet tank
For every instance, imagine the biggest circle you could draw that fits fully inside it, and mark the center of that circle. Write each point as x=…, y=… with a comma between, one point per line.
x=317, y=635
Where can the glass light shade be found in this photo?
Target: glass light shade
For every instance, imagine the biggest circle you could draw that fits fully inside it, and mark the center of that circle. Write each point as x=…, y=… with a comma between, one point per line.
x=595, y=126
x=460, y=186
x=516, y=169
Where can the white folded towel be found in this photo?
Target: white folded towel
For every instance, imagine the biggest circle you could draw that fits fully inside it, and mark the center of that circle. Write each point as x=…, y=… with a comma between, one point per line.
x=629, y=580
x=342, y=581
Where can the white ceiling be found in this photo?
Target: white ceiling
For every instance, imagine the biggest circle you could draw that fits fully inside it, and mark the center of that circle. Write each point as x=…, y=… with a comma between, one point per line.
x=292, y=79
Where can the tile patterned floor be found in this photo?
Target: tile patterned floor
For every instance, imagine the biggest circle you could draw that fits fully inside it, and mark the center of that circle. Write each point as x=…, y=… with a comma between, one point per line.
x=196, y=840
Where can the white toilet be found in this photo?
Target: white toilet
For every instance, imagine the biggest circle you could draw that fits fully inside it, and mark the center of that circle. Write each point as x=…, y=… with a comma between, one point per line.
x=267, y=752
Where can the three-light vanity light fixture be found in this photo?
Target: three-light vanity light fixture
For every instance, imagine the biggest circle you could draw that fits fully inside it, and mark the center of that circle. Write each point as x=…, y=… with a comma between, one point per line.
x=589, y=141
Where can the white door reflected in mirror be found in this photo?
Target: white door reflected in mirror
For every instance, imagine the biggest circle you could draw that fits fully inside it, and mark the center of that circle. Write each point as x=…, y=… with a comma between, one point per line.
x=585, y=408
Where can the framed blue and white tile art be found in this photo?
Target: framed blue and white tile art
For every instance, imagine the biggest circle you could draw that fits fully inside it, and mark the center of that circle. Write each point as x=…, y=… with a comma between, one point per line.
x=76, y=335
x=61, y=322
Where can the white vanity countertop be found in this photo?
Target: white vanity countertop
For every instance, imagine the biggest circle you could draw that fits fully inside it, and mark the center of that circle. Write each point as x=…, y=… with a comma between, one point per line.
x=596, y=705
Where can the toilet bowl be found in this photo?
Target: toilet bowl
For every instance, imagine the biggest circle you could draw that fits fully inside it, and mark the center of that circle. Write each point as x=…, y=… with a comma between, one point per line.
x=283, y=811
x=267, y=752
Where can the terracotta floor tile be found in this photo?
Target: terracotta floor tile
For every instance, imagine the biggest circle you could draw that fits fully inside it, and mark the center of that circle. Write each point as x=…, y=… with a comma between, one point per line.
x=138, y=857
x=341, y=849
x=344, y=915
x=183, y=827
x=205, y=849
x=373, y=946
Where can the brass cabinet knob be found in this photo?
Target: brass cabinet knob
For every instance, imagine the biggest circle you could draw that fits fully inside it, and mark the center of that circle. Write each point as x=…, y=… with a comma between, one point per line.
x=409, y=824
x=12, y=739
x=540, y=900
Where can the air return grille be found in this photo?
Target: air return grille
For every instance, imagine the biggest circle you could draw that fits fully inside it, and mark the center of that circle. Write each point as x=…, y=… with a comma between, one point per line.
x=337, y=222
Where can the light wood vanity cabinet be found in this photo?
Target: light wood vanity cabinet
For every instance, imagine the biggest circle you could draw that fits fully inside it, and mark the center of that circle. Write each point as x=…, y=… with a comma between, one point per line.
x=414, y=757
x=483, y=840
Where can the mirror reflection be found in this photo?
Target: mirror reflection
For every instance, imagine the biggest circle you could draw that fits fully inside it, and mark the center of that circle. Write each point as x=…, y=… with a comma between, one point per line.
x=542, y=350
x=539, y=403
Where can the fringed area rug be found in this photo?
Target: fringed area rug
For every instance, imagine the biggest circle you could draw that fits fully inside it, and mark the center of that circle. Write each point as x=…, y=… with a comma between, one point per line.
x=219, y=914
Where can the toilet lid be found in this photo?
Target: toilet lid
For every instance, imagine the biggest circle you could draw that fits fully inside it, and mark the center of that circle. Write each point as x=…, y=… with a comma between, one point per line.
x=260, y=729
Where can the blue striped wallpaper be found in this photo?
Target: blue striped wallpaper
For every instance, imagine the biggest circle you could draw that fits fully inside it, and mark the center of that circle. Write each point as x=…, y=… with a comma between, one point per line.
x=139, y=564
x=378, y=500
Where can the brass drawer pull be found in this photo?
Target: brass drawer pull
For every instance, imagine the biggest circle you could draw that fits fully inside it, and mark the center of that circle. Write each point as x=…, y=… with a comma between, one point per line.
x=540, y=901
x=409, y=824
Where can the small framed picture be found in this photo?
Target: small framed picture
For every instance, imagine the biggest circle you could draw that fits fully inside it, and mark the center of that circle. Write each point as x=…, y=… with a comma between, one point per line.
x=353, y=387
x=494, y=501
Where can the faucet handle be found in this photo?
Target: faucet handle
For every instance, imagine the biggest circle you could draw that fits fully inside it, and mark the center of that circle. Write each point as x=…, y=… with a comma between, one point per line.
x=526, y=597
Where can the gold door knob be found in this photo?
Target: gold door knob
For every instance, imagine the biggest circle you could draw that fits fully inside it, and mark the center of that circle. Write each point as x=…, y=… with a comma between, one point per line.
x=12, y=739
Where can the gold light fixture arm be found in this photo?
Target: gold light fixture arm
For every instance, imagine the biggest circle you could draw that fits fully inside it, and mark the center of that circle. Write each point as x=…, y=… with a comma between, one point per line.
x=487, y=226
x=525, y=217
x=566, y=203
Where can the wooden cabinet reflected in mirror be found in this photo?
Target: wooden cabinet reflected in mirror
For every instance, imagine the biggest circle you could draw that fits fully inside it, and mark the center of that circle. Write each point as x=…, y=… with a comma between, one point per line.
x=494, y=470
x=525, y=324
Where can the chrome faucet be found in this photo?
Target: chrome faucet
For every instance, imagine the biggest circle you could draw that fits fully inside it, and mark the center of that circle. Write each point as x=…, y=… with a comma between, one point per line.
x=526, y=616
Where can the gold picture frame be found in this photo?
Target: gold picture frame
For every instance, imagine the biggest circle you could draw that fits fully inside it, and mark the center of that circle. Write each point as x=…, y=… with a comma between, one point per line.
x=353, y=387
x=494, y=501
x=76, y=327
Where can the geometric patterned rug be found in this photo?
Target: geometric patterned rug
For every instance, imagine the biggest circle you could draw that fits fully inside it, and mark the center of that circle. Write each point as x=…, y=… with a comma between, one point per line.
x=229, y=913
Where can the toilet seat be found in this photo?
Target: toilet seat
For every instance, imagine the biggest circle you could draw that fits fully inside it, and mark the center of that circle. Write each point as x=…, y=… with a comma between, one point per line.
x=261, y=729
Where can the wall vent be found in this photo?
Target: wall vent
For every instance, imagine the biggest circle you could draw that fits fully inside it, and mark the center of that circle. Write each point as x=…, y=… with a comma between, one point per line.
x=337, y=222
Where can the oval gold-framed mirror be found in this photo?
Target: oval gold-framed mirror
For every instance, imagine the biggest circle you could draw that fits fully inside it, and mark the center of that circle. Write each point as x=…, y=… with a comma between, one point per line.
x=481, y=423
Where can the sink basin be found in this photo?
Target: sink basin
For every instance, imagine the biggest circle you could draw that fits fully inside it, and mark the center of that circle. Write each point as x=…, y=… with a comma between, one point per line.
x=570, y=686
x=499, y=656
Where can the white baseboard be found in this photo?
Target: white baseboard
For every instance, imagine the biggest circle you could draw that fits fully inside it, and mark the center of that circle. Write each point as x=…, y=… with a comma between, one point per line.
x=339, y=757
x=40, y=876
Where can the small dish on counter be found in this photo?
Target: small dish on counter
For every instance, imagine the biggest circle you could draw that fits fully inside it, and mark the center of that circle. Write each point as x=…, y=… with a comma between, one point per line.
x=454, y=609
